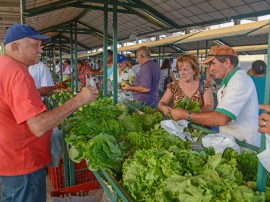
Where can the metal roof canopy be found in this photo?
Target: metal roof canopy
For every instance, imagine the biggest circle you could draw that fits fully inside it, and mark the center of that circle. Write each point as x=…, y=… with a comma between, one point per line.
x=258, y=31
x=9, y=14
x=225, y=32
x=238, y=49
x=135, y=17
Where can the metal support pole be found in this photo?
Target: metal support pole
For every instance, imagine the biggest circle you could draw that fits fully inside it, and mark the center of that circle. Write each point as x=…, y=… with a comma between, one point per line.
x=60, y=61
x=159, y=55
x=115, y=86
x=72, y=58
x=262, y=173
x=105, y=53
x=53, y=60
x=198, y=49
x=22, y=9
x=76, y=57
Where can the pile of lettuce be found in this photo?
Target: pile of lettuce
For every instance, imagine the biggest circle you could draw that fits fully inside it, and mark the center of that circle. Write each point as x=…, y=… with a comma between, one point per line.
x=106, y=124
x=179, y=175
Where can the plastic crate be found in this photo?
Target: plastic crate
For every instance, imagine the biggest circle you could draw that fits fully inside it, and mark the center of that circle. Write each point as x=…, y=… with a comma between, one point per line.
x=81, y=189
x=81, y=173
x=56, y=175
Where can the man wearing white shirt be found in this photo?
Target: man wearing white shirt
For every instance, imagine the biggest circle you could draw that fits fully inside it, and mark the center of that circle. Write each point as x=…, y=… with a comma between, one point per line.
x=66, y=69
x=42, y=78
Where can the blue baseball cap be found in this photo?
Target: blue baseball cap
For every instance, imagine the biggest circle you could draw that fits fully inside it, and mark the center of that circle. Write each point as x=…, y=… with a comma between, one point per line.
x=20, y=31
x=121, y=58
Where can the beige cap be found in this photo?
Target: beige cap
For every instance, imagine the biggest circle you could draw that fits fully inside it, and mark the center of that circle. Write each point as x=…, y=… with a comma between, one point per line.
x=219, y=50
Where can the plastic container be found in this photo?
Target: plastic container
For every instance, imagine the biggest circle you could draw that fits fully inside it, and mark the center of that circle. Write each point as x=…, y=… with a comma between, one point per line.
x=80, y=189
x=81, y=174
x=56, y=175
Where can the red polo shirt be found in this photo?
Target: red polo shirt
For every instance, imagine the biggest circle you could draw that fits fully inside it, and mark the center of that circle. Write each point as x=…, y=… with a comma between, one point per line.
x=21, y=152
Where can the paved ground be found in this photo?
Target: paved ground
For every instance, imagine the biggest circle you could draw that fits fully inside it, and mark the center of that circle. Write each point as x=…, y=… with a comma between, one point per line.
x=49, y=188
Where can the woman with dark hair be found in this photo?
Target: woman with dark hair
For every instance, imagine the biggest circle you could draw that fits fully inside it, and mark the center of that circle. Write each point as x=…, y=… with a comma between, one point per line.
x=165, y=73
x=258, y=77
x=188, y=86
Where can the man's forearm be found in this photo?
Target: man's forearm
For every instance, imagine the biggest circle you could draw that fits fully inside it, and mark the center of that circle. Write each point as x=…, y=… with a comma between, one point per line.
x=209, y=118
x=43, y=122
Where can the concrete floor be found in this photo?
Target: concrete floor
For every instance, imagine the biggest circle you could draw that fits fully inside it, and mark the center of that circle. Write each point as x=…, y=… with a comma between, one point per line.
x=49, y=189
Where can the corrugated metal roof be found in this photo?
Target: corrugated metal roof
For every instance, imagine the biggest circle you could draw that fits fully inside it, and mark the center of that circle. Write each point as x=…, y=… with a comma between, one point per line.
x=9, y=14
x=135, y=17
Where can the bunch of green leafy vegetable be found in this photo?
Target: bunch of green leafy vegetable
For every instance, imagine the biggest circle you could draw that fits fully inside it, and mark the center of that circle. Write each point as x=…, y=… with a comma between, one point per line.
x=130, y=122
x=155, y=138
x=247, y=162
x=180, y=175
x=99, y=109
x=188, y=105
x=143, y=173
x=218, y=180
x=61, y=97
x=195, y=133
x=208, y=186
x=103, y=152
x=98, y=117
x=150, y=118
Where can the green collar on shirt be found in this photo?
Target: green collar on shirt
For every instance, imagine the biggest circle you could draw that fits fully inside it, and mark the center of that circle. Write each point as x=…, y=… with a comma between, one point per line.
x=226, y=80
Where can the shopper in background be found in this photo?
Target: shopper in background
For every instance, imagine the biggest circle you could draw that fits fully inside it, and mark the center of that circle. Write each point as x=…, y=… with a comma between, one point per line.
x=258, y=77
x=83, y=74
x=132, y=65
x=109, y=64
x=85, y=64
x=264, y=120
x=145, y=87
x=57, y=69
x=165, y=75
x=237, y=110
x=175, y=74
x=126, y=75
x=42, y=78
x=98, y=65
x=25, y=125
x=66, y=69
x=188, y=86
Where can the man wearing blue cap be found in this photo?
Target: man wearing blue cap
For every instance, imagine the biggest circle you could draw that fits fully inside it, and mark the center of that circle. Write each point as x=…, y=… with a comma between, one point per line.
x=126, y=75
x=25, y=125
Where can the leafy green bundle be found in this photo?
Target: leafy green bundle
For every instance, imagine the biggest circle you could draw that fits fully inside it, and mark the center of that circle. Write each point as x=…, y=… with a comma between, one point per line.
x=155, y=138
x=188, y=105
x=103, y=152
x=247, y=162
x=177, y=175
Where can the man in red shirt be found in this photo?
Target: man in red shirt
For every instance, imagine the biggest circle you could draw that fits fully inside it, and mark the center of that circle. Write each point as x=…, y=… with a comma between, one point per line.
x=25, y=125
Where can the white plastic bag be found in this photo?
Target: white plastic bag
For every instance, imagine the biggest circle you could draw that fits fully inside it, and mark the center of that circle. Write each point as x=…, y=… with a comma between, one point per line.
x=57, y=147
x=220, y=141
x=175, y=127
x=264, y=157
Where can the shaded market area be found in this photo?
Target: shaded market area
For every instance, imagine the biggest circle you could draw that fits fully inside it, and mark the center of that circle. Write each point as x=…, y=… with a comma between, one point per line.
x=118, y=148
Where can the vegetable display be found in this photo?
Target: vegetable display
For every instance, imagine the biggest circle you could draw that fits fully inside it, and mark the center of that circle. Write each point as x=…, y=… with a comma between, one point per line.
x=151, y=164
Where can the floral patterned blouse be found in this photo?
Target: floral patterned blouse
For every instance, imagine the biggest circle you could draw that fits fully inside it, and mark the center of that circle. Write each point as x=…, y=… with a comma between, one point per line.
x=178, y=93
